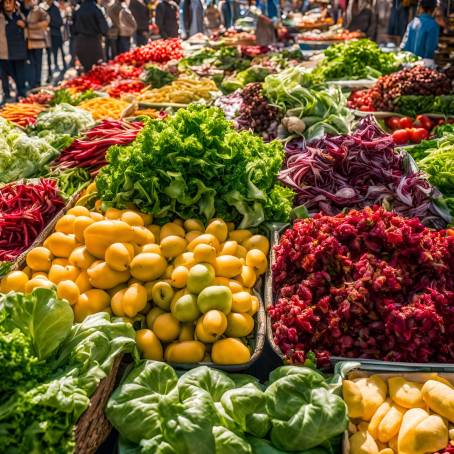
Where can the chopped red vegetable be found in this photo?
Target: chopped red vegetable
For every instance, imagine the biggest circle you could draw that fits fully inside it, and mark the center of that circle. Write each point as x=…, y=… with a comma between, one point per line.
x=366, y=284
x=125, y=86
x=90, y=150
x=25, y=209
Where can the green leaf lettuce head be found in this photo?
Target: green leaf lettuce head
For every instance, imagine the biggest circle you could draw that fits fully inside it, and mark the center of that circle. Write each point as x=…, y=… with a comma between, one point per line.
x=49, y=368
x=206, y=410
x=359, y=59
x=196, y=165
x=22, y=156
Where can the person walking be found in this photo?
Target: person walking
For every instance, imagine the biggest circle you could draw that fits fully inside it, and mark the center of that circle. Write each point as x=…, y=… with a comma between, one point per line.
x=113, y=9
x=37, y=39
x=192, y=17
x=90, y=25
x=423, y=33
x=230, y=12
x=141, y=14
x=56, y=36
x=398, y=19
x=127, y=28
x=167, y=19
x=13, y=48
x=364, y=19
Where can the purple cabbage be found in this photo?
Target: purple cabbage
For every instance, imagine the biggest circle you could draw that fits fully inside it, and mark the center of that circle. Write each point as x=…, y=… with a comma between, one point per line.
x=358, y=170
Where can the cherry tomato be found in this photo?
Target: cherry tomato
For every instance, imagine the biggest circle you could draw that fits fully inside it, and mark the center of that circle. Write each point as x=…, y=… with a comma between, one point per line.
x=405, y=122
x=401, y=136
x=393, y=123
x=418, y=134
x=425, y=122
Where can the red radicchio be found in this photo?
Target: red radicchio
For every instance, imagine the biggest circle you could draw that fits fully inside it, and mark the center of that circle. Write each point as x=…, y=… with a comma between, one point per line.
x=358, y=170
x=366, y=284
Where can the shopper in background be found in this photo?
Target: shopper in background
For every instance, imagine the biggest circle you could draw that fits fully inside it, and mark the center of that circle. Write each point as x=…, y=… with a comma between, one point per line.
x=127, y=27
x=37, y=39
x=265, y=32
x=230, y=11
x=112, y=9
x=13, y=48
x=212, y=18
x=56, y=37
x=192, y=17
x=90, y=25
x=423, y=33
x=140, y=12
x=167, y=19
x=398, y=19
x=364, y=19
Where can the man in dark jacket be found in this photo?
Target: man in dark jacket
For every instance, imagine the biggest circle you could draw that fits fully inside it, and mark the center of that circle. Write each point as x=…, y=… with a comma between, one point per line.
x=140, y=12
x=56, y=37
x=167, y=18
x=13, y=49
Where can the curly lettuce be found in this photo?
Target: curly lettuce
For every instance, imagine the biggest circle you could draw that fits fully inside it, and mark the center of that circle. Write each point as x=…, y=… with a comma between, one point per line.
x=196, y=165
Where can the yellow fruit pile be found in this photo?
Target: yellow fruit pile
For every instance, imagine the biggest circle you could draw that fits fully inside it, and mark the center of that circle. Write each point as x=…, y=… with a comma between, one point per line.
x=191, y=286
x=399, y=415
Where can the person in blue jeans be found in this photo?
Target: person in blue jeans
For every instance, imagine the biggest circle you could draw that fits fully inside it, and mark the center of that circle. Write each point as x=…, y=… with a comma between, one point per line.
x=423, y=32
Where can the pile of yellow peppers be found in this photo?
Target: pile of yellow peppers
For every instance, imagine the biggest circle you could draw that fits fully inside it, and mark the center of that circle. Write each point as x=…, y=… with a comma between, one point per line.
x=399, y=416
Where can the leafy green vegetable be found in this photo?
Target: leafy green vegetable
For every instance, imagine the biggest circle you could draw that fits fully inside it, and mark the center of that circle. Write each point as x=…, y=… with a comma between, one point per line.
x=413, y=105
x=304, y=412
x=358, y=59
x=64, y=119
x=207, y=411
x=70, y=180
x=49, y=368
x=195, y=165
x=22, y=156
x=323, y=111
x=64, y=96
x=255, y=73
x=435, y=157
x=156, y=77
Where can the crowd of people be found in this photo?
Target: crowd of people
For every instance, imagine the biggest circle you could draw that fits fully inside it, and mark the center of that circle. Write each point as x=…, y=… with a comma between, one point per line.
x=89, y=31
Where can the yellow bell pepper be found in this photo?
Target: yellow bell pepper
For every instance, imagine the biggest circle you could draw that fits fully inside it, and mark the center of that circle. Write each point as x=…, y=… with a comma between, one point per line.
x=362, y=443
x=440, y=398
x=405, y=393
x=421, y=433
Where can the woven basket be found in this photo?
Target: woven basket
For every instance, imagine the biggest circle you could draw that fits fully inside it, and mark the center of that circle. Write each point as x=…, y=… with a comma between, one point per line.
x=93, y=427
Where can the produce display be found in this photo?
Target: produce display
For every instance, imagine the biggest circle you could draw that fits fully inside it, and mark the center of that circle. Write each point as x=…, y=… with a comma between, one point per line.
x=156, y=410
x=387, y=295
x=195, y=165
x=250, y=110
x=21, y=114
x=50, y=367
x=419, y=82
x=90, y=150
x=406, y=414
x=436, y=159
x=137, y=206
x=359, y=170
x=180, y=91
x=309, y=112
x=199, y=280
x=102, y=108
x=359, y=59
x=22, y=156
x=33, y=204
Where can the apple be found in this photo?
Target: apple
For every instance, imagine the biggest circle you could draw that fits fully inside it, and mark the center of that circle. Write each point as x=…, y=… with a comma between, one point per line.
x=200, y=276
x=185, y=308
x=162, y=293
x=215, y=297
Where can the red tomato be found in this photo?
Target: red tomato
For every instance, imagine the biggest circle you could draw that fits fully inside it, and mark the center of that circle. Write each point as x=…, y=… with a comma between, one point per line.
x=418, y=134
x=401, y=136
x=425, y=122
x=365, y=108
x=393, y=123
x=405, y=122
